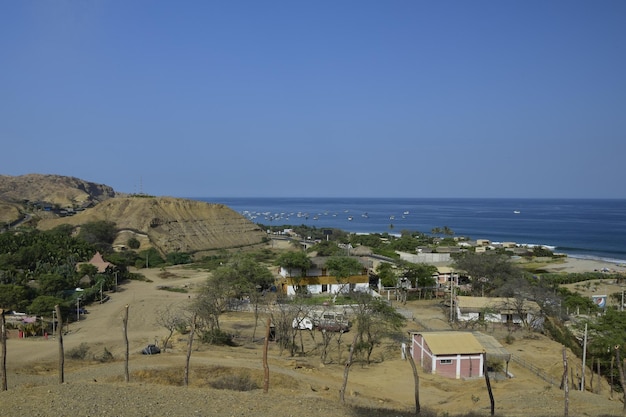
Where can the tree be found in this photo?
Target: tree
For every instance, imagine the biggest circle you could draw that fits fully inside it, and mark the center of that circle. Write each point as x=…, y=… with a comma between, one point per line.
x=211, y=303
x=386, y=274
x=374, y=320
x=296, y=264
x=343, y=267
x=326, y=248
x=133, y=243
x=100, y=233
x=488, y=271
x=420, y=275
x=171, y=318
x=44, y=304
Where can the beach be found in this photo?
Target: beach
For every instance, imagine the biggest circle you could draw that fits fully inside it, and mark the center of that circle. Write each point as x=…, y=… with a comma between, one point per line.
x=578, y=265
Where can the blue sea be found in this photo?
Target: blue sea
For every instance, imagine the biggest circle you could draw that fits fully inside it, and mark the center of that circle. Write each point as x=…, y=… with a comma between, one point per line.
x=581, y=228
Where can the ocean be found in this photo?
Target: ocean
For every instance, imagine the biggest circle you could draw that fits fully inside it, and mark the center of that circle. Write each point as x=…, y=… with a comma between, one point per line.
x=581, y=228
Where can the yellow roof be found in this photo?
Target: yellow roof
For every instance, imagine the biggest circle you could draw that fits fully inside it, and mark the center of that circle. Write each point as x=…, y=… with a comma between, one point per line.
x=452, y=343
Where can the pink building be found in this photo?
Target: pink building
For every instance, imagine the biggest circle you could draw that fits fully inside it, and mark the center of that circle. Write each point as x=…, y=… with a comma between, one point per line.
x=450, y=354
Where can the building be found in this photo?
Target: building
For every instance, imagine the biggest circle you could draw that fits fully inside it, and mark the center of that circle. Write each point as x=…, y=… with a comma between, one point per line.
x=317, y=280
x=498, y=310
x=459, y=355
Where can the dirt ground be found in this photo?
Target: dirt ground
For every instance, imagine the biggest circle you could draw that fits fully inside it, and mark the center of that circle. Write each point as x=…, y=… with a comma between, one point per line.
x=298, y=386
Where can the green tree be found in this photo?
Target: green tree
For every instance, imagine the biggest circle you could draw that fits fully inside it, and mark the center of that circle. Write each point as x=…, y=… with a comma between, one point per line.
x=343, y=267
x=295, y=262
x=326, y=248
x=488, y=271
x=420, y=275
x=387, y=274
x=100, y=233
x=133, y=243
x=44, y=304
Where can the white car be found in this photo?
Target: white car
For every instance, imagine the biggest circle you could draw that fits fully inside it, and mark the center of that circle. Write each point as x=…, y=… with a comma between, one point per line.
x=303, y=323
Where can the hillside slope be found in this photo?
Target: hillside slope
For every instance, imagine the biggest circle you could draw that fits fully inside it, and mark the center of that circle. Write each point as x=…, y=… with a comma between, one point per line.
x=54, y=189
x=171, y=224
x=30, y=193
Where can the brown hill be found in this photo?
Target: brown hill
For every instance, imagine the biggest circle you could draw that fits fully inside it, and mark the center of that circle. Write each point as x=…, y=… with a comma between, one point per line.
x=32, y=192
x=53, y=189
x=170, y=224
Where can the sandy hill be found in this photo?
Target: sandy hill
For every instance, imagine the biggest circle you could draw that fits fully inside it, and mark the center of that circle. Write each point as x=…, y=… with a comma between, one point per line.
x=25, y=193
x=170, y=224
x=53, y=189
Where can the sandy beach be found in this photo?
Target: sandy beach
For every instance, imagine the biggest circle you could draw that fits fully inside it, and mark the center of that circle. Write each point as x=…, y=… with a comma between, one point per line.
x=576, y=265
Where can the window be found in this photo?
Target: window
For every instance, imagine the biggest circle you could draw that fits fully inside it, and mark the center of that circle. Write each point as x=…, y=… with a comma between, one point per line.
x=445, y=361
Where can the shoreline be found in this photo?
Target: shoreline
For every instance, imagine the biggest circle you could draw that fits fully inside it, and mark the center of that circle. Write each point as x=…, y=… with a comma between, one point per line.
x=573, y=264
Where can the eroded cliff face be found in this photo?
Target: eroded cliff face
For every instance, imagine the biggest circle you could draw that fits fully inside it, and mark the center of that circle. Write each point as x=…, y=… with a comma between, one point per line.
x=172, y=224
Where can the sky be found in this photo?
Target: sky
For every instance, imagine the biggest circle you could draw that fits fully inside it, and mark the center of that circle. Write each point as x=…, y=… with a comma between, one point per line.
x=402, y=98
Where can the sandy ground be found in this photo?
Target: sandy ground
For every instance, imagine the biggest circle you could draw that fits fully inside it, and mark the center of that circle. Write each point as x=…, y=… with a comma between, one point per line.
x=297, y=384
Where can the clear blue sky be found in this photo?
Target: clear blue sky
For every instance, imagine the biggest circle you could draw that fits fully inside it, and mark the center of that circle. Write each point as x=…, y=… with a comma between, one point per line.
x=318, y=98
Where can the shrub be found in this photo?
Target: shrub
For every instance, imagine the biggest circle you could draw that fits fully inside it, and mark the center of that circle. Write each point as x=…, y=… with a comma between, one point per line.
x=234, y=383
x=217, y=337
x=79, y=352
x=106, y=356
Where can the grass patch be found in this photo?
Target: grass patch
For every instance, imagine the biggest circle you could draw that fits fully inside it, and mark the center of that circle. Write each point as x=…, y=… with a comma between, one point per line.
x=172, y=289
x=217, y=377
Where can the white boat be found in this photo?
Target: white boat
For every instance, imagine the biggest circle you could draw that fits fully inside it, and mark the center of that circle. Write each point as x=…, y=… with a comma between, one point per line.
x=406, y=212
x=350, y=218
x=516, y=211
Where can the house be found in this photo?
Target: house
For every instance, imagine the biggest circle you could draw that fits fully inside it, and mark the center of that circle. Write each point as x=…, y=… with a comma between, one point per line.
x=317, y=280
x=498, y=310
x=98, y=262
x=458, y=355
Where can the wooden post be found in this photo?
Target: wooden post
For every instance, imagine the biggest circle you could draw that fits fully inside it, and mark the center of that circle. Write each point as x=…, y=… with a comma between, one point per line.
x=620, y=368
x=3, y=366
x=266, y=368
x=565, y=385
x=416, y=378
x=125, y=323
x=61, y=353
x=611, y=392
x=189, y=346
x=346, y=369
x=486, y=374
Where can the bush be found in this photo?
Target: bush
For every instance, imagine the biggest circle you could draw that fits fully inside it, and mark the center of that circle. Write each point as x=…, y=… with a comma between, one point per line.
x=234, y=383
x=217, y=337
x=79, y=352
x=106, y=356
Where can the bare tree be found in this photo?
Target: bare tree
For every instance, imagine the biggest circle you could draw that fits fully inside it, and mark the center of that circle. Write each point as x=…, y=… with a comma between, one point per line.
x=126, y=356
x=346, y=370
x=416, y=378
x=171, y=318
x=189, y=345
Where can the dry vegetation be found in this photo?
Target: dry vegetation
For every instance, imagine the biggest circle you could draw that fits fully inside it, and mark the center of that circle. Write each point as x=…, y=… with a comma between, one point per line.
x=226, y=381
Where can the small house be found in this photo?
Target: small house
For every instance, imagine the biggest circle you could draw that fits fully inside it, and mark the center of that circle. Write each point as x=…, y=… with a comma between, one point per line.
x=459, y=355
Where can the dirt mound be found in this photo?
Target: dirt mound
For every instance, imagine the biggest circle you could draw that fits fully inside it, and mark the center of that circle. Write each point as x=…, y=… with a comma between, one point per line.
x=171, y=224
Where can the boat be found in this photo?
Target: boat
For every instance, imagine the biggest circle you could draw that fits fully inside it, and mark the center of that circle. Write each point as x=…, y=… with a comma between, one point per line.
x=350, y=218
x=406, y=212
x=392, y=217
x=516, y=211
